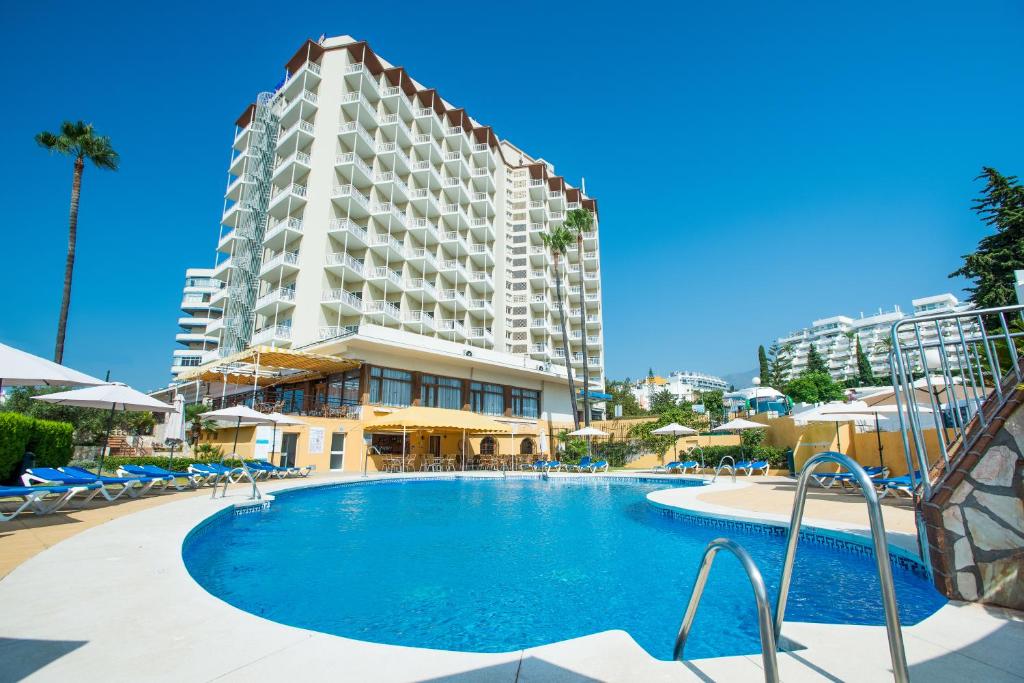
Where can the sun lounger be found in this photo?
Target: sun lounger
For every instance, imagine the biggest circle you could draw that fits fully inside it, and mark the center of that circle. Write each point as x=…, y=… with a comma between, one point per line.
x=689, y=465
x=142, y=485
x=554, y=465
x=599, y=465
x=904, y=485
x=192, y=478
x=275, y=471
x=674, y=465
x=843, y=478
x=750, y=467
x=218, y=471
x=582, y=465
x=204, y=475
x=43, y=500
x=112, y=489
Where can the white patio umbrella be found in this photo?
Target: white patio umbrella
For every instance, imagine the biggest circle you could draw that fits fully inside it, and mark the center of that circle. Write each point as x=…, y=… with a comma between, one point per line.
x=674, y=429
x=174, y=428
x=739, y=425
x=238, y=414
x=112, y=395
x=542, y=442
x=588, y=432
x=860, y=411
x=19, y=368
x=280, y=419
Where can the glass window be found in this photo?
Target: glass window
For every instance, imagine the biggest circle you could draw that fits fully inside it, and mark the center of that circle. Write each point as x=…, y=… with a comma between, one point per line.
x=487, y=445
x=441, y=392
x=390, y=387
x=343, y=389
x=525, y=402
x=292, y=399
x=488, y=399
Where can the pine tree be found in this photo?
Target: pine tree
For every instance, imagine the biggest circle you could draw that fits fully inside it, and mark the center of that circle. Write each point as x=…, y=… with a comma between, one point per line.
x=780, y=362
x=762, y=365
x=991, y=266
x=865, y=375
x=815, y=363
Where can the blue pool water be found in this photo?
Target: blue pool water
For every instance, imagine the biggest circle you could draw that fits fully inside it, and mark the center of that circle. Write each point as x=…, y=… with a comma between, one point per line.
x=493, y=566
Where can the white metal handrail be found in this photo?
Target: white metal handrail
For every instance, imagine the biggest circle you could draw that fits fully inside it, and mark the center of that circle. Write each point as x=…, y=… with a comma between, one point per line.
x=879, y=542
x=764, y=612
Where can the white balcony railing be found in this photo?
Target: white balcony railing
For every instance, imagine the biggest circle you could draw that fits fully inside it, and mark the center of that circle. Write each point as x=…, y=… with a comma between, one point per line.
x=343, y=259
x=339, y=295
x=346, y=225
x=272, y=333
x=381, y=307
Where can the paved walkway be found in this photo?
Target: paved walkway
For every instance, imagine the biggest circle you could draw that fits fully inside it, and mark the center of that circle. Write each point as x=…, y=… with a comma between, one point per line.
x=144, y=618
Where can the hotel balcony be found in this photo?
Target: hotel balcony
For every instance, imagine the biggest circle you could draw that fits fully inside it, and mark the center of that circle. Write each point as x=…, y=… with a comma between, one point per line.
x=284, y=200
x=426, y=174
x=358, y=108
x=540, y=351
x=232, y=216
x=428, y=113
x=280, y=265
x=540, y=302
x=402, y=163
x=383, y=274
x=481, y=255
x=452, y=238
x=425, y=230
x=353, y=168
x=297, y=135
x=345, y=265
x=481, y=335
x=482, y=229
x=394, y=123
x=295, y=164
x=395, y=99
x=481, y=281
x=385, y=311
x=214, y=327
x=427, y=146
x=194, y=321
x=387, y=212
x=452, y=299
x=356, y=73
x=307, y=74
x=277, y=335
x=282, y=297
x=351, y=234
x=352, y=200
x=537, y=228
x=418, y=320
x=347, y=303
x=422, y=259
x=539, y=324
x=452, y=327
x=424, y=201
x=481, y=307
x=419, y=289
x=355, y=138
x=302, y=106
x=234, y=188
x=194, y=338
x=387, y=245
x=220, y=271
x=333, y=331
x=281, y=232
x=482, y=203
x=539, y=277
x=389, y=183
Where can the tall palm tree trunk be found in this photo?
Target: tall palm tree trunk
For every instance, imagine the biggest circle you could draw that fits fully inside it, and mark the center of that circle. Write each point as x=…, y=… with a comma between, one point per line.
x=583, y=331
x=565, y=343
x=69, y=264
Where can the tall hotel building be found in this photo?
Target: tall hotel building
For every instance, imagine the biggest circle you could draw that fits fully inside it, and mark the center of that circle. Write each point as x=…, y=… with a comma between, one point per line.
x=363, y=211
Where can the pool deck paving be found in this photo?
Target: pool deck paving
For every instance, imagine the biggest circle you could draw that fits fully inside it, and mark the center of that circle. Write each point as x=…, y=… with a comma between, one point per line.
x=104, y=593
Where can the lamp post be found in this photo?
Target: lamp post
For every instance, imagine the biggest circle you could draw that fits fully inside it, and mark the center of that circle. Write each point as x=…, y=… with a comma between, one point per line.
x=756, y=381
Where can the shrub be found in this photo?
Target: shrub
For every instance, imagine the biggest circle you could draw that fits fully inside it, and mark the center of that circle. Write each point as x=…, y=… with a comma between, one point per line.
x=208, y=450
x=15, y=432
x=111, y=463
x=775, y=456
x=617, y=453
x=51, y=443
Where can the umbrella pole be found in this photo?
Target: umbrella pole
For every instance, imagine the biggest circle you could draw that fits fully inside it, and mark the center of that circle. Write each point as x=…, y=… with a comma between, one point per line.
x=403, y=448
x=839, y=441
x=106, y=439
x=170, y=460
x=463, y=450
x=273, y=444
x=878, y=435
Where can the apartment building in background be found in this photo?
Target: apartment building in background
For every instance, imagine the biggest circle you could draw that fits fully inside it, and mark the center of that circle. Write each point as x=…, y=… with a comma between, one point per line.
x=684, y=385
x=835, y=337
x=199, y=313
x=362, y=206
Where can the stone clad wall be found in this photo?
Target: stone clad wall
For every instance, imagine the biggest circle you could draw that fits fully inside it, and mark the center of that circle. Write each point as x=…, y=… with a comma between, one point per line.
x=975, y=519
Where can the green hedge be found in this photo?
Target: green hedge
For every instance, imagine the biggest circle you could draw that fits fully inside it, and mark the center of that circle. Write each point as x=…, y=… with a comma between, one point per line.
x=15, y=432
x=111, y=463
x=775, y=456
x=51, y=443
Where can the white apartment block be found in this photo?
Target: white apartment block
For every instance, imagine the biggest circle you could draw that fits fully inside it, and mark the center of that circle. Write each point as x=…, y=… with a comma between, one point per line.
x=199, y=315
x=683, y=385
x=835, y=337
x=359, y=198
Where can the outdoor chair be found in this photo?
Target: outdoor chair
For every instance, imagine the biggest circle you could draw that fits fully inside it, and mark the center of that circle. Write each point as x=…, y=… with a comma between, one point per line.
x=601, y=465
x=43, y=500
x=583, y=464
x=750, y=467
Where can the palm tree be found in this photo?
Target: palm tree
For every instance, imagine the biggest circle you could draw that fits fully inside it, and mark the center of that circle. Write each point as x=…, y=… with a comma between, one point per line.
x=577, y=222
x=557, y=241
x=76, y=140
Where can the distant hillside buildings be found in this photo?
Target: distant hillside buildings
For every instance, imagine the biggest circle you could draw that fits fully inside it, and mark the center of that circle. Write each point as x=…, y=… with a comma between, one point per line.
x=683, y=385
x=835, y=338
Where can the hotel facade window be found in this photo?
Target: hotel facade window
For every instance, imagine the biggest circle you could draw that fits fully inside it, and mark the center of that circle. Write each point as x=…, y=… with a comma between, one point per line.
x=441, y=392
x=488, y=399
x=390, y=387
x=525, y=402
x=487, y=446
x=343, y=389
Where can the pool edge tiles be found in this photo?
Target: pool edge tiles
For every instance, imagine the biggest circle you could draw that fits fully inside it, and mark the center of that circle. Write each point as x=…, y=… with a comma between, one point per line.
x=844, y=541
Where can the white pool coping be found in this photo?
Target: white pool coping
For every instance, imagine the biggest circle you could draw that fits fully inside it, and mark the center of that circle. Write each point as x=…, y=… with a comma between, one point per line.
x=115, y=602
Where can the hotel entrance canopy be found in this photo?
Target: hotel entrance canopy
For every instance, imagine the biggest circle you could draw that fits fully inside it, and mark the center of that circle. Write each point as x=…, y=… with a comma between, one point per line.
x=435, y=419
x=266, y=366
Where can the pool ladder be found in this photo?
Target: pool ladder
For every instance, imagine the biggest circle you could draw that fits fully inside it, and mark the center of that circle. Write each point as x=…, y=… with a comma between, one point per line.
x=771, y=631
x=722, y=466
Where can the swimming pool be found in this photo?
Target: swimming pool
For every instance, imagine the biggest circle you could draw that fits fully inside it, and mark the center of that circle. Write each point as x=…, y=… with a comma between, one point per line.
x=491, y=565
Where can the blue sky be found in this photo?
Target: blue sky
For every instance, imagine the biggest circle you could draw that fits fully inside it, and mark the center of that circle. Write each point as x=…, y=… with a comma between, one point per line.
x=758, y=165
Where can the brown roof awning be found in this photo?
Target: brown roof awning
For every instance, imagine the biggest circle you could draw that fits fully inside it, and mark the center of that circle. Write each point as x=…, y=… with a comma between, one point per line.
x=243, y=120
x=309, y=52
x=267, y=366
